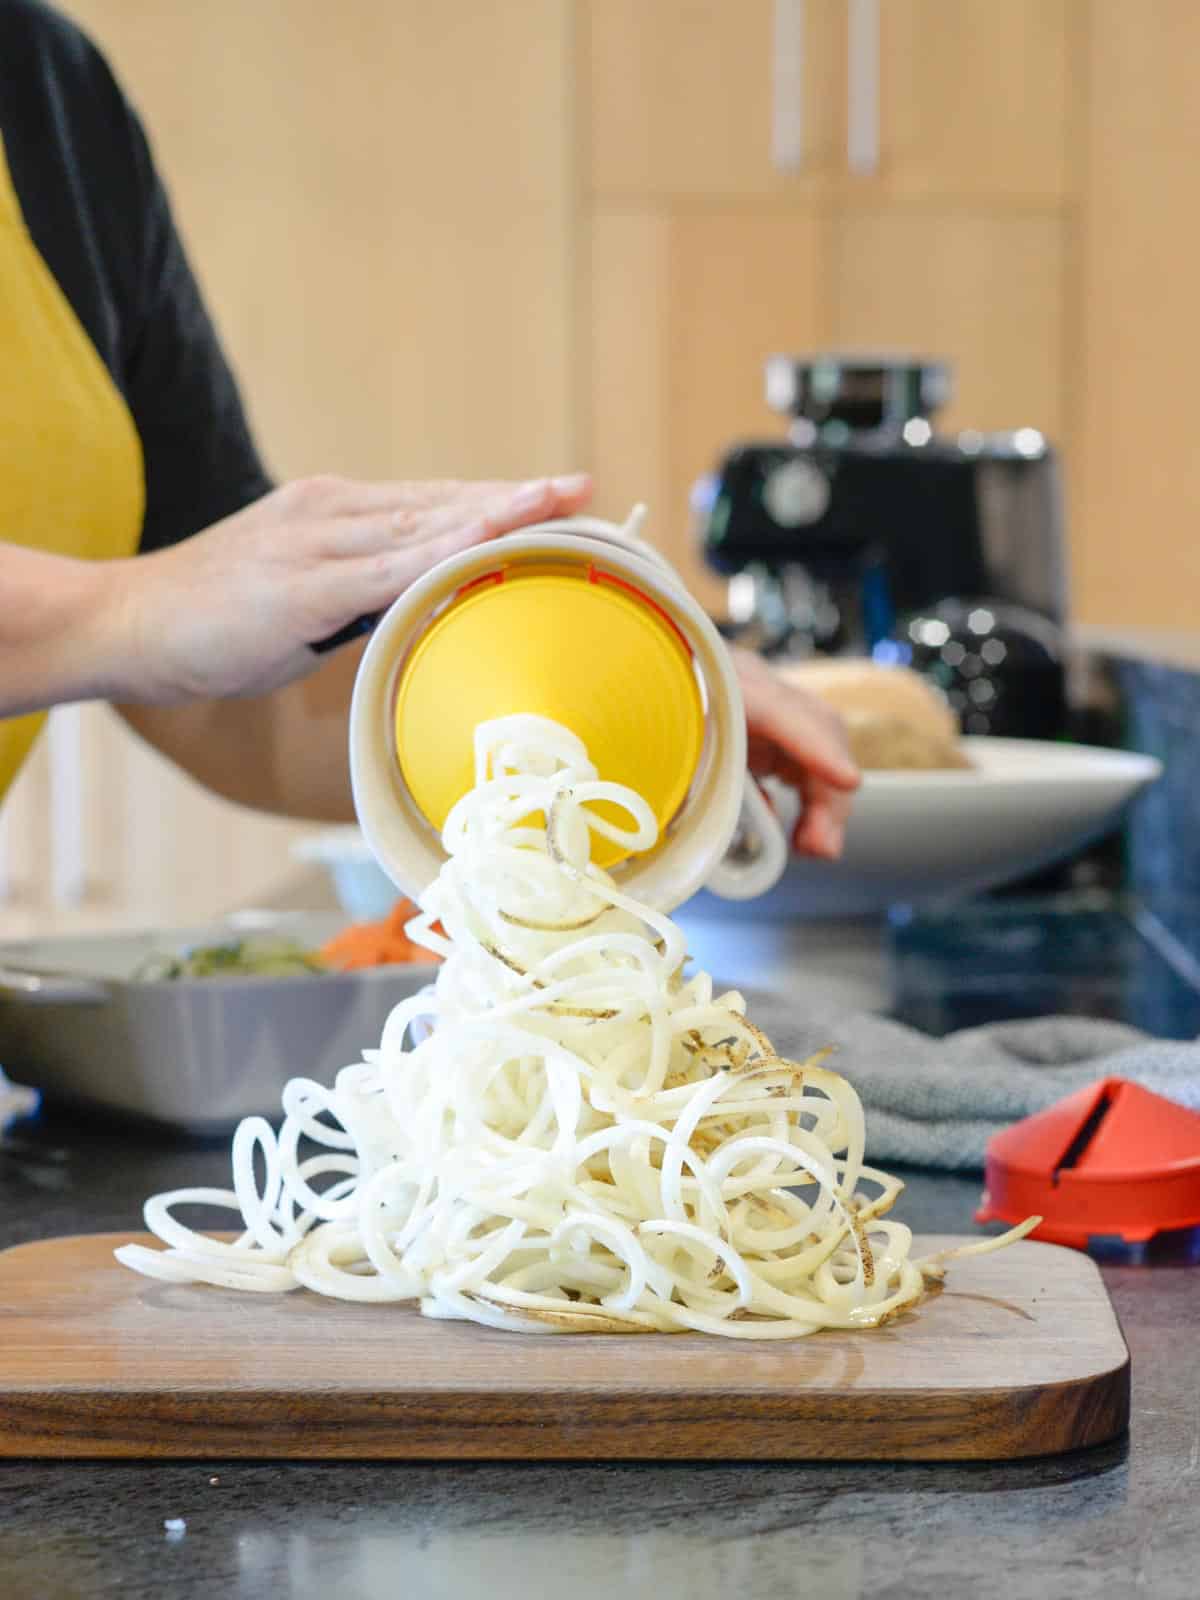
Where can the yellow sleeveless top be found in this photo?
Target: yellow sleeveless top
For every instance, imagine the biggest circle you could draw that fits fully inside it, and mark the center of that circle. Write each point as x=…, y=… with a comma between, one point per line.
x=71, y=474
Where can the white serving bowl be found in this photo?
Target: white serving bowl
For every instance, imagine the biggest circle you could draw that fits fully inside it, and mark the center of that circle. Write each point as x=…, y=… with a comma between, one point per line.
x=917, y=837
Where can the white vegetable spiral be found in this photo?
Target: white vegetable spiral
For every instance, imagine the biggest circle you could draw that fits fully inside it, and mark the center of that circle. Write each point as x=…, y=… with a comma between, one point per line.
x=581, y=1139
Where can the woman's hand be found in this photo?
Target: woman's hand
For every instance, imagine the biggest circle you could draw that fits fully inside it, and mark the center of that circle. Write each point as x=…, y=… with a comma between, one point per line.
x=795, y=737
x=236, y=609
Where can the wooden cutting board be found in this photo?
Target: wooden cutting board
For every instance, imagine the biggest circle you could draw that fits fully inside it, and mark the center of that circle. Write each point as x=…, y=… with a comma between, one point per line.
x=1020, y=1355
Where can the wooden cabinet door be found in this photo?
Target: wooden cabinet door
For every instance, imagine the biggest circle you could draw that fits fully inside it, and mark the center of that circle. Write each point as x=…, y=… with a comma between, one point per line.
x=691, y=97
x=680, y=313
x=987, y=293
x=1137, y=480
x=708, y=97
x=974, y=99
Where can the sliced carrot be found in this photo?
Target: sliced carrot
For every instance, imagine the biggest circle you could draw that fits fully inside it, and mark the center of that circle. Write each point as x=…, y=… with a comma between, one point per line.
x=376, y=944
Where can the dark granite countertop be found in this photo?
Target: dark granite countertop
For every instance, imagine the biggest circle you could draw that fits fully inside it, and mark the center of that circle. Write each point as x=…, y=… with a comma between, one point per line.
x=1121, y=1520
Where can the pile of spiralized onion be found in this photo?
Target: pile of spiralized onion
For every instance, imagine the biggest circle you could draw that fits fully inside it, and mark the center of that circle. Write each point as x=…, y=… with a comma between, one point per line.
x=574, y=1136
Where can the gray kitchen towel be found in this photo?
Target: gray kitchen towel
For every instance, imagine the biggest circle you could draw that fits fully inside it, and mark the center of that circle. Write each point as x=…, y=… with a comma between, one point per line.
x=936, y=1102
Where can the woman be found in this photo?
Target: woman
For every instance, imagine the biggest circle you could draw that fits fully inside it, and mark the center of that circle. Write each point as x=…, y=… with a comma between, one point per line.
x=144, y=556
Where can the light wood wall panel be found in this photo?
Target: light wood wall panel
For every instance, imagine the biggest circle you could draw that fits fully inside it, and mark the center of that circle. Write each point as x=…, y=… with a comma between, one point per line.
x=1137, y=487
x=987, y=292
x=685, y=308
x=379, y=198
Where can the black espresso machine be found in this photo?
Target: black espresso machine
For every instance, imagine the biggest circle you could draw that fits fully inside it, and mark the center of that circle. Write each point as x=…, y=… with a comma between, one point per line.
x=865, y=532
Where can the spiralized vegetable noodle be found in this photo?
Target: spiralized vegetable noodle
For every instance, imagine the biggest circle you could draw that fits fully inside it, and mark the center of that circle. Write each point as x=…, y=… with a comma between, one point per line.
x=574, y=1136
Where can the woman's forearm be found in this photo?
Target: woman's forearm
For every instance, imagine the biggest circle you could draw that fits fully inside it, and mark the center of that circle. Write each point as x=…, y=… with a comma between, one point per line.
x=66, y=636
x=285, y=752
x=233, y=610
x=59, y=631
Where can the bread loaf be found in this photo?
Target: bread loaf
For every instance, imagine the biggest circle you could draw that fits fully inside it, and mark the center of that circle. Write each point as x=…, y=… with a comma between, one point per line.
x=894, y=718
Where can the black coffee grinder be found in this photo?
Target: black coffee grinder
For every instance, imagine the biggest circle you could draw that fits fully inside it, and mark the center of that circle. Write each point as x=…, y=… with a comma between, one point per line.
x=864, y=532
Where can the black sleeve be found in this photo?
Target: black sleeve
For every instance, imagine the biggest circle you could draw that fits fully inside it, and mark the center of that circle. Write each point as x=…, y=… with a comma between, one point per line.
x=98, y=212
x=201, y=462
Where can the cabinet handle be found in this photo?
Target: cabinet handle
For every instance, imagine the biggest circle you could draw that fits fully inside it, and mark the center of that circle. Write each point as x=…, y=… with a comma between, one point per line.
x=787, y=87
x=862, y=119
x=68, y=866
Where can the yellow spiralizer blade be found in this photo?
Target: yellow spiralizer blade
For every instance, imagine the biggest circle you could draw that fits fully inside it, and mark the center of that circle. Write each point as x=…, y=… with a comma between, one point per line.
x=570, y=642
